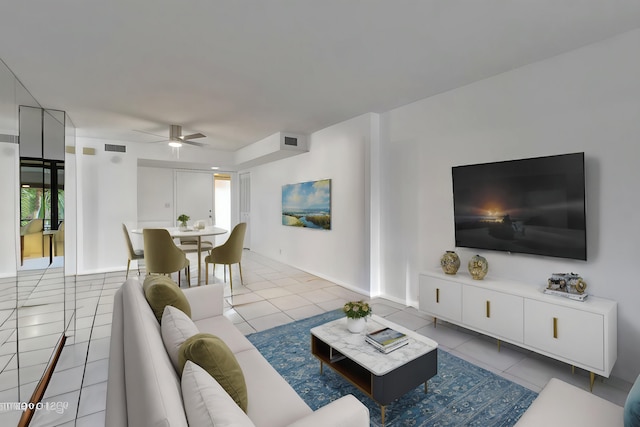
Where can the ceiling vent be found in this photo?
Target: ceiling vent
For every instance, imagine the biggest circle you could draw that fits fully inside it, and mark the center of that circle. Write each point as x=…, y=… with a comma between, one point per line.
x=116, y=148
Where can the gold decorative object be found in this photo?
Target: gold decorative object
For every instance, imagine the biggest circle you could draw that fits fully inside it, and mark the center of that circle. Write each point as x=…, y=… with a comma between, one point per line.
x=450, y=262
x=478, y=267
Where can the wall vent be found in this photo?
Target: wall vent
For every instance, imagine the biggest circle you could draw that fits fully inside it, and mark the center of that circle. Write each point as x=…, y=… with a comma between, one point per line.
x=116, y=148
x=291, y=141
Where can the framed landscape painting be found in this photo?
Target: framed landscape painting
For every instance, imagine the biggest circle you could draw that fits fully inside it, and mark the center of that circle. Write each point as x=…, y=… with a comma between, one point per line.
x=307, y=204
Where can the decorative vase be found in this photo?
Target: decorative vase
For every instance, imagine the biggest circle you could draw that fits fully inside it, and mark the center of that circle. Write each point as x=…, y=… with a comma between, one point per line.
x=450, y=262
x=478, y=267
x=355, y=326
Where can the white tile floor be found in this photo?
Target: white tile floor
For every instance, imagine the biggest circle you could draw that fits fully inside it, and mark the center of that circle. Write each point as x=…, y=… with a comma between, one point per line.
x=273, y=294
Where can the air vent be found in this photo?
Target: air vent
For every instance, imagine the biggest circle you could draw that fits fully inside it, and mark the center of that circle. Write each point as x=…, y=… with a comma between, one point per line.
x=288, y=140
x=116, y=148
x=8, y=138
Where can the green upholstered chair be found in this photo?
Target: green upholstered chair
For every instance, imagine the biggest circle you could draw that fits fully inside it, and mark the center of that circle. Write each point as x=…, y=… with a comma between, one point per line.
x=228, y=253
x=31, y=243
x=134, y=254
x=161, y=255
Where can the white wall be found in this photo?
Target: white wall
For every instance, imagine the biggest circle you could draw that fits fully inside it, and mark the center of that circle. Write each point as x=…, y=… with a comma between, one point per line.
x=10, y=243
x=107, y=198
x=340, y=153
x=586, y=100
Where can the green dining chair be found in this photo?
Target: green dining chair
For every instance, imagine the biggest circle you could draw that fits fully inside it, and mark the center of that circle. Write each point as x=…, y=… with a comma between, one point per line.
x=230, y=252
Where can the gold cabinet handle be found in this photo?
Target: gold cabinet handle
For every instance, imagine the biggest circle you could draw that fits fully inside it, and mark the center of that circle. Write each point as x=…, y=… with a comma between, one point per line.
x=488, y=309
x=555, y=327
x=437, y=295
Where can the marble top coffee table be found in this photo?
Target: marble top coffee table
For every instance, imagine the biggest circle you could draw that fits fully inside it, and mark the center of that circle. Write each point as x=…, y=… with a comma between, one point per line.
x=383, y=377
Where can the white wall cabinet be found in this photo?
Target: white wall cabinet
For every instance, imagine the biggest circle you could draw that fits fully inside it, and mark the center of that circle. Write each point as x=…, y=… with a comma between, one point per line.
x=583, y=334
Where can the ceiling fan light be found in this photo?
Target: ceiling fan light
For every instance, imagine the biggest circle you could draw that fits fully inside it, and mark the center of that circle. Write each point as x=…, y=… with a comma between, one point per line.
x=175, y=144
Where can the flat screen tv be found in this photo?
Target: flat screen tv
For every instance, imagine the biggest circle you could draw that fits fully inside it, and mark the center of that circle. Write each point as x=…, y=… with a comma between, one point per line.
x=533, y=206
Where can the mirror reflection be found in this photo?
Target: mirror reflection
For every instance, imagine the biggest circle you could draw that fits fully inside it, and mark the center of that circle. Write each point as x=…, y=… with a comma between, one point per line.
x=41, y=213
x=37, y=301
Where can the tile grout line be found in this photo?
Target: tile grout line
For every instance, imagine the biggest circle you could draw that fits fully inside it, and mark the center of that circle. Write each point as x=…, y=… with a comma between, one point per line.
x=86, y=357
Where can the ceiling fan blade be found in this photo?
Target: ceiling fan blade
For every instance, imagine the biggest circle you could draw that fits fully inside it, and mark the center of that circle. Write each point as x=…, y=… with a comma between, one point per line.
x=192, y=136
x=197, y=144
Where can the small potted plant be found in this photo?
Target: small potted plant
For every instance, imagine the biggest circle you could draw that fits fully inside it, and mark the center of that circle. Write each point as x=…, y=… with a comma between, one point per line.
x=183, y=220
x=356, y=312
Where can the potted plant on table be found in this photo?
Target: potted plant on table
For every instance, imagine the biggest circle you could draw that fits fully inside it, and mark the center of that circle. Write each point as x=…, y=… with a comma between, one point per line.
x=356, y=312
x=183, y=220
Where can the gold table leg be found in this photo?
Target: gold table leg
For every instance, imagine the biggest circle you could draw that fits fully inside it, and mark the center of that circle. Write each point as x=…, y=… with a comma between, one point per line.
x=592, y=379
x=382, y=411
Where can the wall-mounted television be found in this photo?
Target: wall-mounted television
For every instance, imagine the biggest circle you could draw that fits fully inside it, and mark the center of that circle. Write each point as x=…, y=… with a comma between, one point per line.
x=533, y=206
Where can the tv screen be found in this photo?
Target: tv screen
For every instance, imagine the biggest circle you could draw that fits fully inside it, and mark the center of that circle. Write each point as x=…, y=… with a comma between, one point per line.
x=533, y=206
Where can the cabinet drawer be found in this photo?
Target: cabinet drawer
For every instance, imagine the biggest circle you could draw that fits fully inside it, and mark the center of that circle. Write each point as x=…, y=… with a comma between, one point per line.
x=575, y=335
x=494, y=313
x=441, y=298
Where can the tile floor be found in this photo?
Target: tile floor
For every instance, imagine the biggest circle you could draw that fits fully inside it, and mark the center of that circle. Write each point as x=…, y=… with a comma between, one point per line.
x=273, y=294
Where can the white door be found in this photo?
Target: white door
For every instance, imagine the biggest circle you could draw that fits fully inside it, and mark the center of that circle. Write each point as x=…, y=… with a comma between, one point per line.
x=194, y=196
x=245, y=206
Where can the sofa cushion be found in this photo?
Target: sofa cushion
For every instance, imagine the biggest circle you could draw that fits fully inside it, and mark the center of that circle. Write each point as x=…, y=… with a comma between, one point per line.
x=176, y=327
x=632, y=406
x=563, y=404
x=224, y=329
x=213, y=355
x=161, y=291
x=272, y=401
x=207, y=403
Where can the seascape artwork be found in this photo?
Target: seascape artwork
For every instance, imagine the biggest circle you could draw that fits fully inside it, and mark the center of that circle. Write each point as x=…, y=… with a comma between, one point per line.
x=307, y=204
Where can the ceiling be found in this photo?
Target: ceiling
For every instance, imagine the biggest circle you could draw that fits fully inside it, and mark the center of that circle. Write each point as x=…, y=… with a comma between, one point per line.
x=241, y=70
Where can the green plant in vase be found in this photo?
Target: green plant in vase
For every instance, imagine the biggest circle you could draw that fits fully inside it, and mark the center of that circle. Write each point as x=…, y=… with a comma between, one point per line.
x=356, y=312
x=183, y=220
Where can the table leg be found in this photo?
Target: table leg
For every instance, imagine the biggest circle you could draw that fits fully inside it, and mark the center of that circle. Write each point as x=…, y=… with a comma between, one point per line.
x=382, y=412
x=321, y=366
x=425, y=387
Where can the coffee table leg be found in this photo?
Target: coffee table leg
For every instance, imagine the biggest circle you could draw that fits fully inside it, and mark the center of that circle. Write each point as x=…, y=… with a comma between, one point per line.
x=425, y=387
x=382, y=412
x=321, y=366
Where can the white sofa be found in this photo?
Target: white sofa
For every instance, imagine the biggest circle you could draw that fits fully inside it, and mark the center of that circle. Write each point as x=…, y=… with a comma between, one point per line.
x=560, y=404
x=144, y=389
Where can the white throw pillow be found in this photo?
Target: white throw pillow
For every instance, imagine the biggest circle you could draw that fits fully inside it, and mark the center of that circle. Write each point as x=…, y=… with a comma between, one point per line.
x=206, y=403
x=176, y=327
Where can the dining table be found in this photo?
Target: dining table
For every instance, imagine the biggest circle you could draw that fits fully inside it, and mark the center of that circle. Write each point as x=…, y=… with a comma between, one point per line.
x=191, y=232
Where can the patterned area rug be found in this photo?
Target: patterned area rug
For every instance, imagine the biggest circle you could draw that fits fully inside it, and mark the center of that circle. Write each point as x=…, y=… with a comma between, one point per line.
x=461, y=394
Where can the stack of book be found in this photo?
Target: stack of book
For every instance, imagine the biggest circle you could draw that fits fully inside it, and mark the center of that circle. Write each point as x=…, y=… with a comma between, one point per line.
x=387, y=339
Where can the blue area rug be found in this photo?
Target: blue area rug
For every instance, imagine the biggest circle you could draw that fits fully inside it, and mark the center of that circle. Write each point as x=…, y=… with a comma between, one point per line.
x=461, y=394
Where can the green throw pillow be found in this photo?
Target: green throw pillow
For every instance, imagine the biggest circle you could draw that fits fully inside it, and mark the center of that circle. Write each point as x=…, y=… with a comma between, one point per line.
x=214, y=356
x=632, y=406
x=161, y=291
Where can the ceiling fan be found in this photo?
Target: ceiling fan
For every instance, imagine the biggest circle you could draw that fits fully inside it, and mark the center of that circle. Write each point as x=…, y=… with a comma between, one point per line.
x=176, y=139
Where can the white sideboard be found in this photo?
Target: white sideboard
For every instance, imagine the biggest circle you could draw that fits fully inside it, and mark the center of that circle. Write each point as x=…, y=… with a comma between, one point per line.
x=582, y=334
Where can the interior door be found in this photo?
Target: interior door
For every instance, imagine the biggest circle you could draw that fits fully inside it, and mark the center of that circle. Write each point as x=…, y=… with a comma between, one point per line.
x=245, y=206
x=194, y=196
